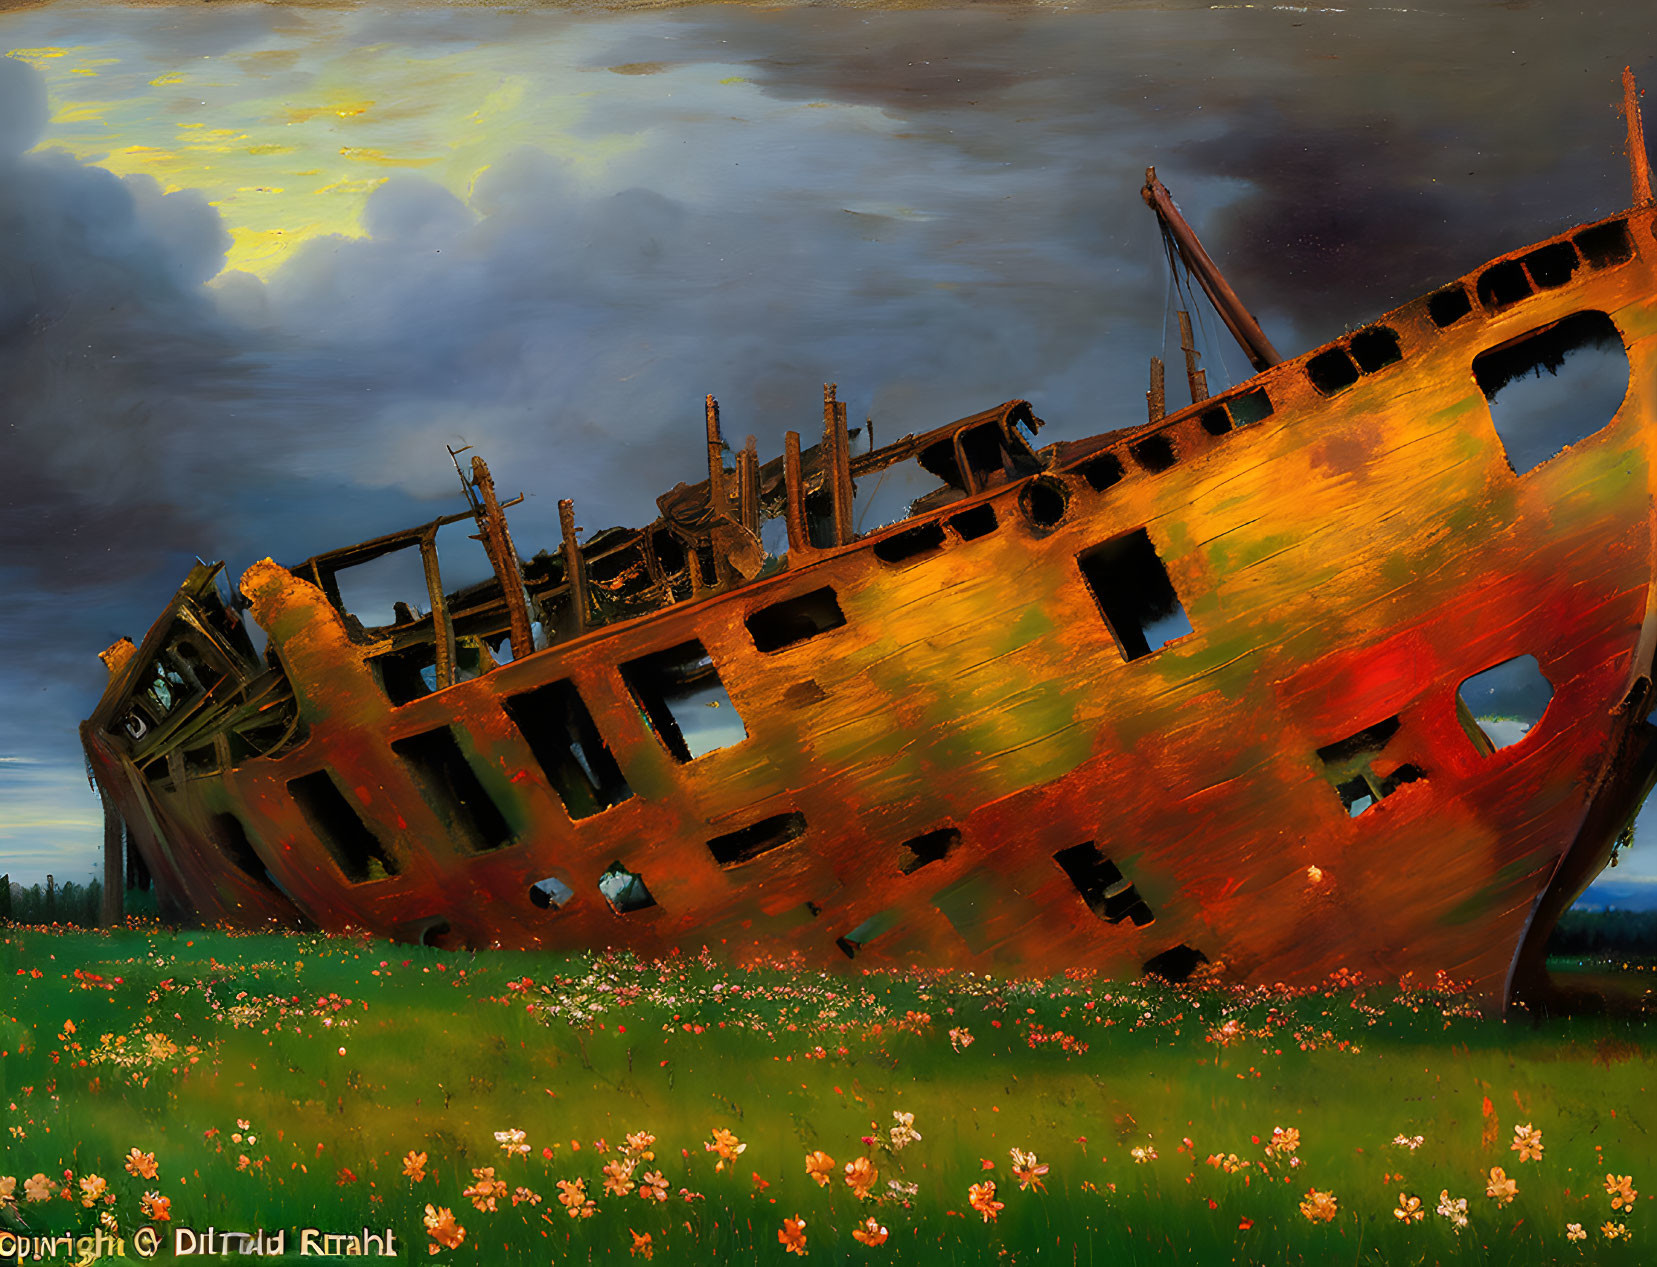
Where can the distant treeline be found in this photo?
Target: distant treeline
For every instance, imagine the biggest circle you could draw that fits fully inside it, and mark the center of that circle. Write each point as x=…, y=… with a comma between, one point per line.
x=1613, y=932
x=68, y=903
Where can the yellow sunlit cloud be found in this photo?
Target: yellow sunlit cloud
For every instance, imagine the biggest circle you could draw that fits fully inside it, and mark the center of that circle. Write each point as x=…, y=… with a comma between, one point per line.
x=259, y=251
x=380, y=159
x=85, y=112
x=294, y=145
x=361, y=185
x=149, y=156
x=332, y=110
x=502, y=100
x=37, y=55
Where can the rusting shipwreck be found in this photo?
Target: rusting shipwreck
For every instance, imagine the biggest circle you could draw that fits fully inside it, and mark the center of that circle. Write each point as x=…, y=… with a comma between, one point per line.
x=1211, y=689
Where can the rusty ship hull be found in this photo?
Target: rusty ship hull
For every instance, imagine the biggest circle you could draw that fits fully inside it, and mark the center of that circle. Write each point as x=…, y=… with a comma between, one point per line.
x=963, y=739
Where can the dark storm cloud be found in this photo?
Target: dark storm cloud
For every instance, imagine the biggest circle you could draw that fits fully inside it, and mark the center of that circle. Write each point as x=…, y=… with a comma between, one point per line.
x=105, y=342
x=1337, y=162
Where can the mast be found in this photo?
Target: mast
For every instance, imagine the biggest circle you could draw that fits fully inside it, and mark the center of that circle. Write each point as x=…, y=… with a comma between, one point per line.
x=1244, y=328
x=1639, y=165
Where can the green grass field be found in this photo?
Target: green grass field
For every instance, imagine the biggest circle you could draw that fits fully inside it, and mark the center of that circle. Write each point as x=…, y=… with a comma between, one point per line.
x=280, y=1081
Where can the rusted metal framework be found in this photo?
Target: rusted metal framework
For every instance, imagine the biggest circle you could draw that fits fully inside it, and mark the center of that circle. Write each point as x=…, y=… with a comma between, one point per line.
x=1189, y=692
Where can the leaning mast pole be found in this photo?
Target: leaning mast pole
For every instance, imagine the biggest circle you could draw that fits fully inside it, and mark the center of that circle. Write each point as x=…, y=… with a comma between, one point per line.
x=1244, y=328
x=1639, y=164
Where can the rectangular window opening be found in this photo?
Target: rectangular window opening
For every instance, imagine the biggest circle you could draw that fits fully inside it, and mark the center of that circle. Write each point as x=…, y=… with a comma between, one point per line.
x=1331, y=371
x=1606, y=244
x=991, y=459
x=911, y=543
x=452, y=788
x=555, y=722
x=894, y=493
x=736, y=847
x=1375, y=348
x=684, y=701
x=1358, y=769
x=931, y=847
x=706, y=562
x=1154, y=453
x=624, y=890
x=1216, y=421
x=1447, y=306
x=1134, y=593
x=1552, y=265
x=795, y=620
x=408, y=674
x=1176, y=964
x=378, y=592
x=1102, y=471
x=1503, y=283
x=340, y=828
x=972, y=524
x=1108, y=893
x=1250, y=407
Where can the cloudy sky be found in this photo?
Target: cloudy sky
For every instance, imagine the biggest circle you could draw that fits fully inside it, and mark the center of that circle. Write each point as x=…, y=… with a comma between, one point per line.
x=260, y=264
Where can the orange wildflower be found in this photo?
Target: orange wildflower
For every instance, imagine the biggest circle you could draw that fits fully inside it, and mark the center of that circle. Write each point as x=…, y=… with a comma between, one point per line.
x=820, y=1166
x=869, y=1232
x=156, y=1208
x=643, y=1246
x=653, y=1187
x=1028, y=1171
x=981, y=1196
x=512, y=1143
x=1620, y=1188
x=1409, y=1209
x=572, y=1195
x=1500, y=1188
x=861, y=1176
x=727, y=1145
x=442, y=1228
x=638, y=1144
x=1318, y=1207
x=414, y=1166
x=792, y=1236
x=618, y=1177
x=1527, y=1142
x=487, y=1190
x=92, y=1188
x=141, y=1165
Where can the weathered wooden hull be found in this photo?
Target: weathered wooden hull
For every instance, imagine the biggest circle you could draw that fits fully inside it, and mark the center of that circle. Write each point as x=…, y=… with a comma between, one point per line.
x=1346, y=562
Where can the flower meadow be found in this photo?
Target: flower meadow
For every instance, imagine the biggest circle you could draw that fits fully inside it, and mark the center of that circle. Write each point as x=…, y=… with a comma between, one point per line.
x=503, y=1107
